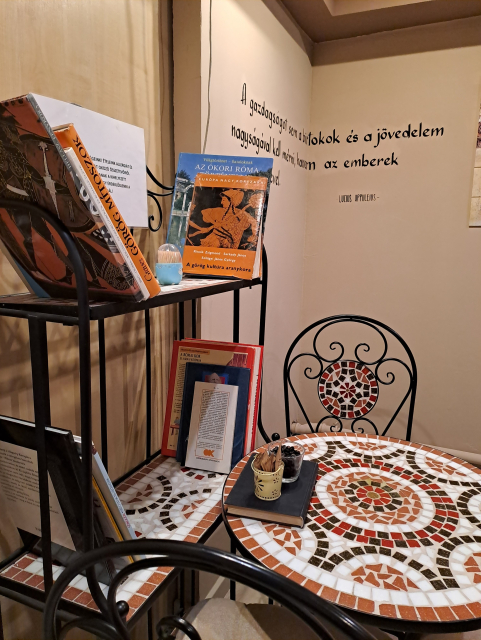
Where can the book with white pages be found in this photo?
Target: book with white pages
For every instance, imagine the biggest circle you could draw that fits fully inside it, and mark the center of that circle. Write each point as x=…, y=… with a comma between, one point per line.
x=118, y=150
x=212, y=426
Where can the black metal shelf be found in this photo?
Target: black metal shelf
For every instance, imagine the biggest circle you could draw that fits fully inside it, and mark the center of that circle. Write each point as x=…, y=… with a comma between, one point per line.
x=27, y=303
x=81, y=312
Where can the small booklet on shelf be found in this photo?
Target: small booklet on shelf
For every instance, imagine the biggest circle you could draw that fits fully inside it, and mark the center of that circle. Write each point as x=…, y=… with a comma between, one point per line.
x=47, y=179
x=218, y=214
x=213, y=419
x=292, y=506
x=213, y=353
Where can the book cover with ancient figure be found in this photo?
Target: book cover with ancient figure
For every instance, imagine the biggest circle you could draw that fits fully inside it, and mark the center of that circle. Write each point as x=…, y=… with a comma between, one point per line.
x=34, y=168
x=192, y=164
x=224, y=231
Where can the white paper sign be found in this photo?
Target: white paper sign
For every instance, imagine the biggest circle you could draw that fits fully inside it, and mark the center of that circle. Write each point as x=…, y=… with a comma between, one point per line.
x=19, y=484
x=212, y=425
x=118, y=150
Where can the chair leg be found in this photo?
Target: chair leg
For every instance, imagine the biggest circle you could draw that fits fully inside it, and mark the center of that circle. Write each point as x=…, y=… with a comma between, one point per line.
x=2, y=637
x=150, y=624
x=232, y=582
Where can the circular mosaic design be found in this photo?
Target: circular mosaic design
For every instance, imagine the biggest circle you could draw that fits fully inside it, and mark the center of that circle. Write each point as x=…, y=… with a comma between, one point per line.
x=348, y=389
x=393, y=529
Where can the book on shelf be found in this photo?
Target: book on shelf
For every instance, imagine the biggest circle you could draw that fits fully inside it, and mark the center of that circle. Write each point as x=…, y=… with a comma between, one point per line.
x=218, y=214
x=19, y=485
x=214, y=353
x=36, y=169
x=292, y=506
x=117, y=148
x=103, y=205
x=212, y=426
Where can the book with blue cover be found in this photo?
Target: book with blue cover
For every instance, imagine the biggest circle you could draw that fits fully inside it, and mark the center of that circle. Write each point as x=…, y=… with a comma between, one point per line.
x=243, y=203
x=212, y=413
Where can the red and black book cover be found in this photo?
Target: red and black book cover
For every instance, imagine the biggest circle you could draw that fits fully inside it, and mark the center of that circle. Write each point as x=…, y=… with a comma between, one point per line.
x=34, y=168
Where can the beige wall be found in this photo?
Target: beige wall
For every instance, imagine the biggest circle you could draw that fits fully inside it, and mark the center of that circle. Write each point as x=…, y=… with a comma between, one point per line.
x=408, y=259
x=250, y=45
x=112, y=57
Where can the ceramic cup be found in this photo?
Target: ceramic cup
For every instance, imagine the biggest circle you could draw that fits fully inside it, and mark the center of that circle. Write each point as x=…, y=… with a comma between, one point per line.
x=268, y=484
x=168, y=272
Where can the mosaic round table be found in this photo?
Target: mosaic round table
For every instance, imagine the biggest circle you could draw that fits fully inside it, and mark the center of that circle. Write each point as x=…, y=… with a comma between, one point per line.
x=393, y=533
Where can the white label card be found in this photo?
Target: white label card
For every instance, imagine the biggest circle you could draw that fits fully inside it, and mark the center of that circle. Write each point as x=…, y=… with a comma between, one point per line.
x=19, y=483
x=212, y=425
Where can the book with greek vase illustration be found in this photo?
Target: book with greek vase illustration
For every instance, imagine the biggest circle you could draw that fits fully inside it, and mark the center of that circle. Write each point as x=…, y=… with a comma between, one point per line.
x=229, y=218
x=34, y=168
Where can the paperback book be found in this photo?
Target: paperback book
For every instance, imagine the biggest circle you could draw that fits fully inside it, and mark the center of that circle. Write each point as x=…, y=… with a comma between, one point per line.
x=219, y=217
x=213, y=420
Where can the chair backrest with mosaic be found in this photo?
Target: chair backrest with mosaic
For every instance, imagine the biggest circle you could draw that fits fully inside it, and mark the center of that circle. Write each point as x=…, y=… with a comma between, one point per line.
x=350, y=372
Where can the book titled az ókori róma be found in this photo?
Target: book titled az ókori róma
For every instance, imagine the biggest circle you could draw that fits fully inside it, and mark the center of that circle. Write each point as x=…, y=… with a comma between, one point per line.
x=192, y=164
x=34, y=168
x=224, y=232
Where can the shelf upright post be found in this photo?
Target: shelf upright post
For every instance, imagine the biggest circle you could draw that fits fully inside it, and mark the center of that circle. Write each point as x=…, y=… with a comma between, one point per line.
x=194, y=318
x=103, y=395
x=148, y=386
x=236, y=315
x=181, y=320
x=41, y=401
x=262, y=334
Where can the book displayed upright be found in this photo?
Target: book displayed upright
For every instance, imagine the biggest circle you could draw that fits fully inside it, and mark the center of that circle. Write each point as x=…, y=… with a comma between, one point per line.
x=19, y=486
x=212, y=353
x=228, y=215
x=35, y=168
x=224, y=232
x=106, y=209
x=204, y=416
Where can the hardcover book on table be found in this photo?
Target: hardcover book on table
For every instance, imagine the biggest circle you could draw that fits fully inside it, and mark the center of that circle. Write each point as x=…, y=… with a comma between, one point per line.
x=35, y=168
x=292, y=506
x=218, y=213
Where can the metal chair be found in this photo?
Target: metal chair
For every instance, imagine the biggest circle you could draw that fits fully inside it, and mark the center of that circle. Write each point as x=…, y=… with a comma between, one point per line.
x=348, y=380
x=317, y=614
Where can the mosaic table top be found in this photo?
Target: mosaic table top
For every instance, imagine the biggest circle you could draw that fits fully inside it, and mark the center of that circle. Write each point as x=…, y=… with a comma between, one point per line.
x=393, y=529
x=163, y=501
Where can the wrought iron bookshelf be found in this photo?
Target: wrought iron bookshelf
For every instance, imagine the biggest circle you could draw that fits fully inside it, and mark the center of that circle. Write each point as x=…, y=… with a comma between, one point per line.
x=81, y=313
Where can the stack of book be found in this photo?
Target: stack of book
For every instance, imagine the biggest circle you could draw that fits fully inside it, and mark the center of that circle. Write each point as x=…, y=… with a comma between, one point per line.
x=212, y=403
x=44, y=161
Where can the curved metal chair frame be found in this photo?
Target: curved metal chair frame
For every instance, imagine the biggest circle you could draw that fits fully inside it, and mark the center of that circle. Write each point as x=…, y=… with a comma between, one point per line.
x=303, y=603
x=314, y=371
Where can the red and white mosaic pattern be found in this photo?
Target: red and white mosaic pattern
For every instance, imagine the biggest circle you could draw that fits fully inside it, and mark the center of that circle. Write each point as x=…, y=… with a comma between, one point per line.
x=164, y=501
x=393, y=529
x=348, y=389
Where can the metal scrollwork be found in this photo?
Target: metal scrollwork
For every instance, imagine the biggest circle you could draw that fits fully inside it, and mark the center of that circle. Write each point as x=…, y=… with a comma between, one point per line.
x=154, y=196
x=361, y=357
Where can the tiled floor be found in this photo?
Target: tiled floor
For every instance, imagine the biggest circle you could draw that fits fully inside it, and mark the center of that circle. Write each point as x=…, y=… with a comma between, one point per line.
x=393, y=529
x=163, y=501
